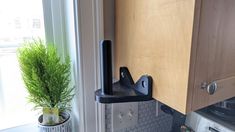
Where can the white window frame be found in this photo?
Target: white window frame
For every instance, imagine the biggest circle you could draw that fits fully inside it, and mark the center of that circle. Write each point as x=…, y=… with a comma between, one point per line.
x=89, y=31
x=88, y=24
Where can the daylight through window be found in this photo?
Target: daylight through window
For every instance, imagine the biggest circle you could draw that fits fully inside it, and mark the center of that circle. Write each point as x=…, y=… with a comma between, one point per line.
x=20, y=20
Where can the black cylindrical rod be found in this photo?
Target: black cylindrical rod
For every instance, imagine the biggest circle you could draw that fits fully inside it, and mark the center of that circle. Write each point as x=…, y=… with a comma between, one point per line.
x=106, y=46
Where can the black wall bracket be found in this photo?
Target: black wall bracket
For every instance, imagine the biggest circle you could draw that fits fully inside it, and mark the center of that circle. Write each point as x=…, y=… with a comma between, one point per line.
x=125, y=90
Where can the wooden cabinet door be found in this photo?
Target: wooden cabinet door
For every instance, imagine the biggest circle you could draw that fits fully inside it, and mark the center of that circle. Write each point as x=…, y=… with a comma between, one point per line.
x=215, y=60
x=154, y=37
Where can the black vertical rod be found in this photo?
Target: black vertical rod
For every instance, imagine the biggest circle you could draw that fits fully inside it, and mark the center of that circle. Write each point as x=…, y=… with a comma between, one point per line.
x=106, y=46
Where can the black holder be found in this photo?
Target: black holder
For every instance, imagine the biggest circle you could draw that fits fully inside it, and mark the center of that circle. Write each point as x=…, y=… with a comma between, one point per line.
x=125, y=90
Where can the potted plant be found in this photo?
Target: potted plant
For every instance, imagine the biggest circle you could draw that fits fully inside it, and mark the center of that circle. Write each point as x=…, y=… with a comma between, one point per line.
x=47, y=80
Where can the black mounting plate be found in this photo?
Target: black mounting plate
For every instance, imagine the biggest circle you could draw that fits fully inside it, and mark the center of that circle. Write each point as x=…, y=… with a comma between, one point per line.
x=125, y=90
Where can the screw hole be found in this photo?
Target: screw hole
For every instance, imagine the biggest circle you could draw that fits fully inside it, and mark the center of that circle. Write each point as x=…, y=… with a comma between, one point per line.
x=144, y=84
x=122, y=74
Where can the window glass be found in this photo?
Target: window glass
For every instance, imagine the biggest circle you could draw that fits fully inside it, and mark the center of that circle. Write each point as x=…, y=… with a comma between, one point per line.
x=20, y=20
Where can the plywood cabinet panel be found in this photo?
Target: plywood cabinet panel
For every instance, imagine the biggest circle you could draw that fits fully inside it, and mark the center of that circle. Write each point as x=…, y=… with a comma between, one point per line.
x=180, y=43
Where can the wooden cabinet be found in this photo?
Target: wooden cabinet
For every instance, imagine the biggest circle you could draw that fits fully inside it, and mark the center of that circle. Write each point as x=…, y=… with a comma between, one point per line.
x=183, y=44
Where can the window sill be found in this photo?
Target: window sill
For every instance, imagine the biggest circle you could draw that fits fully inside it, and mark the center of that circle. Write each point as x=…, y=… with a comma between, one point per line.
x=23, y=128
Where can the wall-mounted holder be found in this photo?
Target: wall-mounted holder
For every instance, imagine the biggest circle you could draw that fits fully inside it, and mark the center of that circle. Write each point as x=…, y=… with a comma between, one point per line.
x=125, y=90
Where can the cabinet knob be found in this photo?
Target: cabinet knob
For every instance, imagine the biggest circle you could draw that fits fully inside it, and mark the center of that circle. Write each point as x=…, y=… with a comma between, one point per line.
x=210, y=88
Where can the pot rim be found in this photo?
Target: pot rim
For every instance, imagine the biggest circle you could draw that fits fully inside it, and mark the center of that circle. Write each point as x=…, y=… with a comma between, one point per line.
x=66, y=115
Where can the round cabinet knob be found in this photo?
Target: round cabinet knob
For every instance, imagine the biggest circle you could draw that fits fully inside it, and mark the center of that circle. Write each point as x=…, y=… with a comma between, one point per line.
x=211, y=88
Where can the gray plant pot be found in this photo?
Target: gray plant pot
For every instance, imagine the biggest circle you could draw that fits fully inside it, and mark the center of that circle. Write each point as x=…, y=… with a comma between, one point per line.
x=65, y=126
